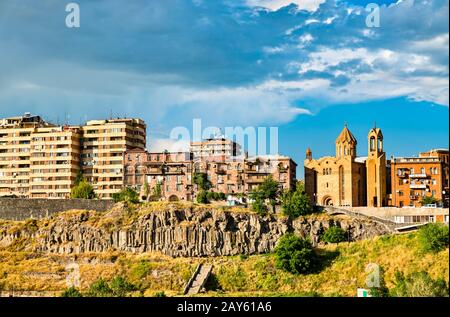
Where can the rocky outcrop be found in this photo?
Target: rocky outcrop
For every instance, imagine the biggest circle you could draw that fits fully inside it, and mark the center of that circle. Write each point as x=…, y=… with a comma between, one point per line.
x=184, y=232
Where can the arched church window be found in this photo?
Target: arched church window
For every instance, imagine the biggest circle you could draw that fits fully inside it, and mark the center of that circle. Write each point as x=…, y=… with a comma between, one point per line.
x=372, y=143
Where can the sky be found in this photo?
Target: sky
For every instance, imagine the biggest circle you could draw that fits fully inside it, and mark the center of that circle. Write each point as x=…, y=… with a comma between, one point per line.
x=304, y=66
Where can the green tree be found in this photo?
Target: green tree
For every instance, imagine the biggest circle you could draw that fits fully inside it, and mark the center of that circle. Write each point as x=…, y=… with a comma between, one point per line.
x=83, y=190
x=427, y=200
x=267, y=190
x=296, y=203
x=201, y=180
x=259, y=207
x=294, y=254
x=157, y=191
x=433, y=237
x=334, y=235
x=418, y=284
x=202, y=197
x=146, y=190
x=121, y=287
x=127, y=194
x=100, y=288
x=71, y=292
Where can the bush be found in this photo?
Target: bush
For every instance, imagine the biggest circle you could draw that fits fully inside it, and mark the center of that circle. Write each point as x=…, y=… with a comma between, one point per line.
x=210, y=196
x=202, y=197
x=294, y=254
x=100, y=289
x=296, y=203
x=427, y=200
x=418, y=284
x=334, y=235
x=117, y=287
x=433, y=237
x=259, y=207
x=201, y=180
x=71, y=292
x=159, y=294
x=83, y=190
x=120, y=287
x=127, y=195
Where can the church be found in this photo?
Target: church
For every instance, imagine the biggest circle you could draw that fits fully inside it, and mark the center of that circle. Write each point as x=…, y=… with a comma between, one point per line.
x=346, y=179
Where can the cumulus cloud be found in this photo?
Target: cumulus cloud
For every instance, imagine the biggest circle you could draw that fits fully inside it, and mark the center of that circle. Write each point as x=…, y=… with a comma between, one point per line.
x=250, y=62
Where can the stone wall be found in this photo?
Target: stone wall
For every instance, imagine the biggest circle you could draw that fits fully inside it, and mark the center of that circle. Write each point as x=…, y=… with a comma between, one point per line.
x=23, y=208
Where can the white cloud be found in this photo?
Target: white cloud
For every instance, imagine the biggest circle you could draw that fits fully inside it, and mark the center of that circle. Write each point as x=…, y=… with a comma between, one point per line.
x=274, y=5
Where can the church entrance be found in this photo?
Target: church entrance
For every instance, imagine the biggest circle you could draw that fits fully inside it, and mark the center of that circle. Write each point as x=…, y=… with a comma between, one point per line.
x=327, y=201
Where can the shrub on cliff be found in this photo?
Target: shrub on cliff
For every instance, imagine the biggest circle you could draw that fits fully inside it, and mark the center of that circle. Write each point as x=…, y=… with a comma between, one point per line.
x=296, y=203
x=334, y=235
x=433, y=237
x=117, y=287
x=202, y=197
x=71, y=292
x=259, y=207
x=294, y=254
x=418, y=284
x=83, y=190
x=127, y=195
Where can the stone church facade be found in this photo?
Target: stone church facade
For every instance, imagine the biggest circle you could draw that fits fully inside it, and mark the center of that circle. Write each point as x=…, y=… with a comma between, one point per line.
x=346, y=179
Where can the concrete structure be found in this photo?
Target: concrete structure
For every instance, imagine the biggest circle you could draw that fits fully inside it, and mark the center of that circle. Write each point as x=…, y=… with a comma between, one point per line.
x=42, y=160
x=416, y=177
x=24, y=208
x=104, y=145
x=215, y=149
x=173, y=172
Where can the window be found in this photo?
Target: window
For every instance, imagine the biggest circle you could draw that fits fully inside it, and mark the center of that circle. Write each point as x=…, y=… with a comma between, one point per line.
x=433, y=181
x=422, y=170
x=400, y=193
x=179, y=187
x=412, y=170
x=372, y=143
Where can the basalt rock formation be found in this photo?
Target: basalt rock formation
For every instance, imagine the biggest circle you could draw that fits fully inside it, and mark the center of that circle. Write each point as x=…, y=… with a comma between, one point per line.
x=177, y=232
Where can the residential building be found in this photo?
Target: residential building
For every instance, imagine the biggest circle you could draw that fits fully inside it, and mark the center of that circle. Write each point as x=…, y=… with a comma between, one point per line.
x=174, y=172
x=215, y=149
x=416, y=177
x=103, y=146
x=42, y=160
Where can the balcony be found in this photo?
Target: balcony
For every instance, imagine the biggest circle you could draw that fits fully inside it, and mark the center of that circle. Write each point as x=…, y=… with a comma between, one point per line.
x=418, y=186
x=419, y=175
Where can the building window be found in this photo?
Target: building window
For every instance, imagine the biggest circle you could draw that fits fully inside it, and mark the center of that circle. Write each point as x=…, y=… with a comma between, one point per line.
x=400, y=193
x=422, y=170
x=179, y=187
x=433, y=181
x=433, y=193
x=412, y=170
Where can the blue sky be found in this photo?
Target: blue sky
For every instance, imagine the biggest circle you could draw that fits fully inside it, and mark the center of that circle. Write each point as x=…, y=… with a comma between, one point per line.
x=306, y=66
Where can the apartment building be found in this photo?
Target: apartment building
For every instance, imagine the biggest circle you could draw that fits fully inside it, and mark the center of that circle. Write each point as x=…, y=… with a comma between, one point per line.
x=15, y=140
x=174, y=172
x=215, y=149
x=104, y=143
x=42, y=160
x=413, y=178
x=54, y=161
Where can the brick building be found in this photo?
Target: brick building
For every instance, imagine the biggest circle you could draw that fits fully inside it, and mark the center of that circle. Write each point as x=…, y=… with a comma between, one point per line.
x=417, y=177
x=174, y=172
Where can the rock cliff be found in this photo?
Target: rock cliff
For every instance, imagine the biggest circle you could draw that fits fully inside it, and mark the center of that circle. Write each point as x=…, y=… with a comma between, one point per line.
x=177, y=232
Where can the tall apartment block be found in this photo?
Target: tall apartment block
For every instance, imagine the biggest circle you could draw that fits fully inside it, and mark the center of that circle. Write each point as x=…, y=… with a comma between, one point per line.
x=104, y=144
x=417, y=177
x=42, y=160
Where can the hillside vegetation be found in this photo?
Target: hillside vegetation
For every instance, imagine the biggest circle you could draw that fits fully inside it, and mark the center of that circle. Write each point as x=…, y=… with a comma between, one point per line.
x=342, y=271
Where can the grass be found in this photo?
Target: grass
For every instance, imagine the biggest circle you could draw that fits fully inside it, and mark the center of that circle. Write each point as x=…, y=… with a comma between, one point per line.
x=256, y=275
